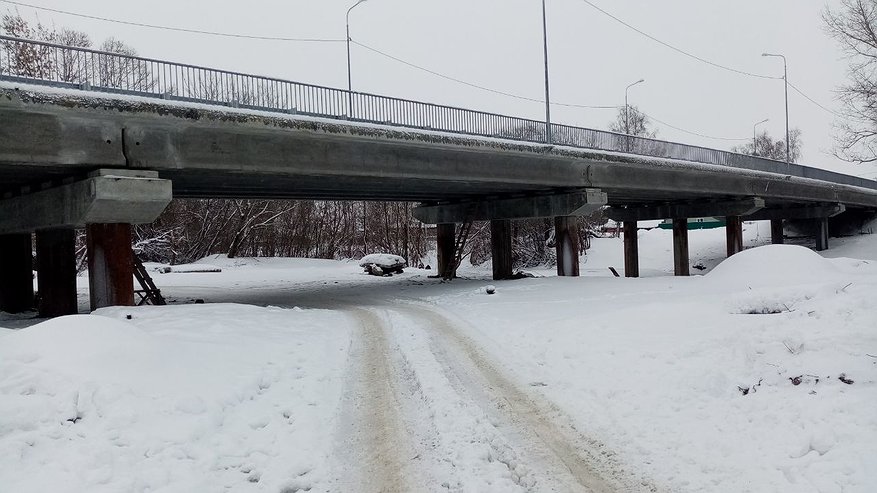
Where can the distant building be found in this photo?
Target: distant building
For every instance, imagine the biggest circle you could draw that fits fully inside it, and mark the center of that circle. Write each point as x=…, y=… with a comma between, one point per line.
x=696, y=223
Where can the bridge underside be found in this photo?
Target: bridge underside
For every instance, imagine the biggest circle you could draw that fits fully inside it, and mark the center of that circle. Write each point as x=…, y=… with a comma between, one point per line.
x=54, y=146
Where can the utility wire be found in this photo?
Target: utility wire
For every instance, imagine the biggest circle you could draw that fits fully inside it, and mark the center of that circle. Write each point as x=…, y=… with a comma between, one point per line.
x=808, y=98
x=727, y=139
x=177, y=29
x=676, y=49
x=470, y=84
x=536, y=100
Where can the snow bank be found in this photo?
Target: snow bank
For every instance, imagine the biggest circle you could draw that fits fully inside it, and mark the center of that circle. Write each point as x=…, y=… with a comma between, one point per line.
x=179, y=398
x=774, y=265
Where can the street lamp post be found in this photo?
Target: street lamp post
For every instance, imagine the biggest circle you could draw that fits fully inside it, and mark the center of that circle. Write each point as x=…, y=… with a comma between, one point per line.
x=548, y=138
x=754, y=139
x=347, y=19
x=786, y=80
x=627, y=111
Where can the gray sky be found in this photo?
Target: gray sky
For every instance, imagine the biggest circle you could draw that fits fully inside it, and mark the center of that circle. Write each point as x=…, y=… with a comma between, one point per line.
x=498, y=44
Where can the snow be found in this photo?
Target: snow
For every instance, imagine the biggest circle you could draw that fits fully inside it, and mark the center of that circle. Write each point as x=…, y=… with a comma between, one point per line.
x=383, y=260
x=187, y=398
x=729, y=381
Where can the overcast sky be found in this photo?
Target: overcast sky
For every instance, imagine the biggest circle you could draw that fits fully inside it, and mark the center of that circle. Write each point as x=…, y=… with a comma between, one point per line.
x=498, y=44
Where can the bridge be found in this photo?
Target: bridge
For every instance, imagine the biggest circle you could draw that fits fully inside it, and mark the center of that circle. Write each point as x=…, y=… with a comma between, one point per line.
x=103, y=141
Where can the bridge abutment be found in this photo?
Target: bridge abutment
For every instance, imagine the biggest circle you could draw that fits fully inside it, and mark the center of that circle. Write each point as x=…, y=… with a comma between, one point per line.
x=680, y=247
x=631, y=249
x=56, y=272
x=566, y=239
x=16, y=274
x=734, y=234
x=110, y=265
x=501, y=248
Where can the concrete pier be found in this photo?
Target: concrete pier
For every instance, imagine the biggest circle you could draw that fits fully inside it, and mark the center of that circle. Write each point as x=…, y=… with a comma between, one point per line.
x=566, y=238
x=110, y=265
x=822, y=234
x=445, y=237
x=631, y=249
x=681, y=261
x=501, y=248
x=776, y=231
x=734, y=234
x=56, y=272
x=16, y=274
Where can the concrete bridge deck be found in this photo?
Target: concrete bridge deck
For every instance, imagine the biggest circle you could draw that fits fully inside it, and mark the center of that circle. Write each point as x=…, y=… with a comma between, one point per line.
x=104, y=162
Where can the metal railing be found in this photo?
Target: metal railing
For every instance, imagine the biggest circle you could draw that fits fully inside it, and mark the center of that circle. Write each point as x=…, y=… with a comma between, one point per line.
x=39, y=62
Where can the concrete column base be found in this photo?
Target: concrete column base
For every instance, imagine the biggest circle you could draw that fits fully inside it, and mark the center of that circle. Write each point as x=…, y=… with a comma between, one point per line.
x=110, y=265
x=16, y=273
x=680, y=247
x=776, y=231
x=445, y=238
x=734, y=234
x=501, y=248
x=631, y=249
x=56, y=272
x=566, y=238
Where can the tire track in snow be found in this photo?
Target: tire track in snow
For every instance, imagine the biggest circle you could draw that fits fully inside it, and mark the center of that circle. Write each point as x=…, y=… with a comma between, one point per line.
x=371, y=436
x=560, y=457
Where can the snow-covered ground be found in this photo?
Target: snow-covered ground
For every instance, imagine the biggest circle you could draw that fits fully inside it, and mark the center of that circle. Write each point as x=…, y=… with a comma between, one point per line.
x=309, y=375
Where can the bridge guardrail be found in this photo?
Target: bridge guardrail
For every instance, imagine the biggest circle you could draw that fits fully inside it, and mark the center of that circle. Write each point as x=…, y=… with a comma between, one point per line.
x=40, y=62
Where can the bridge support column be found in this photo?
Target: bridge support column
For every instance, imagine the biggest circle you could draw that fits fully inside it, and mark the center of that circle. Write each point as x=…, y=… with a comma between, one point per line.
x=822, y=234
x=566, y=239
x=734, y=234
x=631, y=249
x=776, y=231
x=501, y=248
x=444, y=235
x=110, y=265
x=56, y=272
x=16, y=274
x=680, y=247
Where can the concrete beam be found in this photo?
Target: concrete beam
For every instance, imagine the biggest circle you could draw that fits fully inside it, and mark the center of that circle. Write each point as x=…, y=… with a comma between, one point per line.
x=569, y=204
x=16, y=274
x=740, y=207
x=106, y=196
x=56, y=272
x=815, y=211
x=501, y=248
x=566, y=239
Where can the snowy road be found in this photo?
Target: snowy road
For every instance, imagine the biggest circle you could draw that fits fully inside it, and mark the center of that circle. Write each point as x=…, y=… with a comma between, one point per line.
x=426, y=410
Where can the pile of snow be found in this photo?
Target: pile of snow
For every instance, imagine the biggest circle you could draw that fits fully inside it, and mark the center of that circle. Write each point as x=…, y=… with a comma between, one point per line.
x=774, y=265
x=384, y=261
x=380, y=264
x=187, y=398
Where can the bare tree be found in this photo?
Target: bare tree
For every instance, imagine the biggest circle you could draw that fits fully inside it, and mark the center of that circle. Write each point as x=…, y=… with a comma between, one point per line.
x=123, y=72
x=766, y=146
x=854, y=25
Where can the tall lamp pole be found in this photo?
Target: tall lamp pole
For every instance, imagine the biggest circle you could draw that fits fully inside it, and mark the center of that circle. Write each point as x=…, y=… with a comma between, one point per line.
x=627, y=112
x=786, y=80
x=347, y=18
x=548, y=137
x=754, y=139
